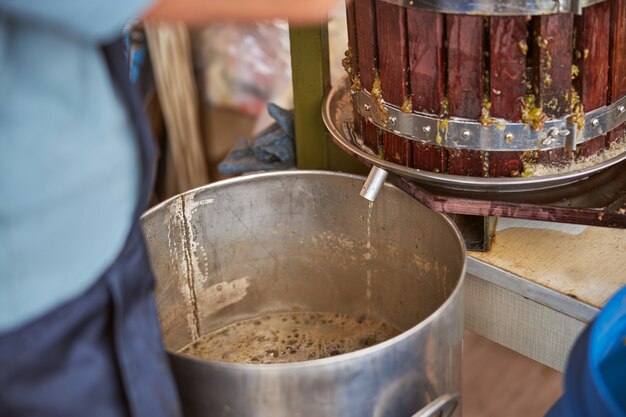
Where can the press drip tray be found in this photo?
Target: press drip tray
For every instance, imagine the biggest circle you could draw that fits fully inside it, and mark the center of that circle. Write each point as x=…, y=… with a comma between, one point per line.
x=339, y=114
x=593, y=196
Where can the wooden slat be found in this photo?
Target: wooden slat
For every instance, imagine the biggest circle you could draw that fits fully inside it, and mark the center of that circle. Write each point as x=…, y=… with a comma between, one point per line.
x=427, y=56
x=170, y=53
x=353, y=51
x=617, y=64
x=352, y=34
x=592, y=59
x=392, y=49
x=372, y=136
x=465, y=65
x=465, y=86
x=507, y=74
x=367, y=58
x=507, y=66
x=553, y=37
x=427, y=60
x=553, y=48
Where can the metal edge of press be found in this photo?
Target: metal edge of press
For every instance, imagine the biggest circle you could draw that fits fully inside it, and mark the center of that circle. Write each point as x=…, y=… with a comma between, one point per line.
x=531, y=290
x=456, y=182
x=498, y=7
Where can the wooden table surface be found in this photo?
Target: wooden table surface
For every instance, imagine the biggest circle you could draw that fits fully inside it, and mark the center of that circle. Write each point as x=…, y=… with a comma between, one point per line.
x=585, y=263
x=541, y=284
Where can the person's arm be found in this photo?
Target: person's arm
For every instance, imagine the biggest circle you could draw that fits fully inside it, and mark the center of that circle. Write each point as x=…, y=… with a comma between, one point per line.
x=95, y=21
x=102, y=20
x=203, y=11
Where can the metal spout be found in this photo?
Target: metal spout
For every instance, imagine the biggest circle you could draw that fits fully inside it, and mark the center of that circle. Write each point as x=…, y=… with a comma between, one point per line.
x=374, y=183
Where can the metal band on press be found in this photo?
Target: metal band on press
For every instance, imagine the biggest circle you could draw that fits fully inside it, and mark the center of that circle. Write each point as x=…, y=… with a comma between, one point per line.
x=500, y=135
x=499, y=7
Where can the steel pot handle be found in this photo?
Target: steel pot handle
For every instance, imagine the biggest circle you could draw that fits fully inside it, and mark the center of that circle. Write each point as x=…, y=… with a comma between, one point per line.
x=445, y=402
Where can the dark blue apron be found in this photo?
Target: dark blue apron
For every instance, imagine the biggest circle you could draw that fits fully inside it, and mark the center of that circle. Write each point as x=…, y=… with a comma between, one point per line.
x=100, y=354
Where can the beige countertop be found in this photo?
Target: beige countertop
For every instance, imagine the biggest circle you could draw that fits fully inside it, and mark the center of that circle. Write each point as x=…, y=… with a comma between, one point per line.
x=584, y=263
x=541, y=284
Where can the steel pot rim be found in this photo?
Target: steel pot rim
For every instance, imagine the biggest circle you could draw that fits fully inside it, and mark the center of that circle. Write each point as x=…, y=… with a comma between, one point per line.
x=333, y=360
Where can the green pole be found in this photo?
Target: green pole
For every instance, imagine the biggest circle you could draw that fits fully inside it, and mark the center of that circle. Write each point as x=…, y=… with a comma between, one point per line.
x=311, y=80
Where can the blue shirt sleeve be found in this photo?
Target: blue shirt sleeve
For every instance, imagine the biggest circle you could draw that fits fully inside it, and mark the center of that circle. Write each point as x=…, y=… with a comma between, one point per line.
x=96, y=21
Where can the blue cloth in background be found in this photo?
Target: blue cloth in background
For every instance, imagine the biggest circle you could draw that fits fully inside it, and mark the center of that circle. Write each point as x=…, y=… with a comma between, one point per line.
x=69, y=167
x=272, y=149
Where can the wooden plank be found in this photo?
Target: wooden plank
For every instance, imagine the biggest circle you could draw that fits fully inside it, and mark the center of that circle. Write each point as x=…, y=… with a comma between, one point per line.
x=507, y=66
x=545, y=257
x=171, y=56
x=465, y=84
x=427, y=63
x=465, y=65
x=393, y=70
x=352, y=57
x=552, y=57
x=352, y=36
x=372, y=136
x=574, y=213
x=427, y=60
x=466, y=162
x=396, y=149
x=591, y=58
x=367, y=59
x=617, y=47
x=338, y=160
x=507, y=76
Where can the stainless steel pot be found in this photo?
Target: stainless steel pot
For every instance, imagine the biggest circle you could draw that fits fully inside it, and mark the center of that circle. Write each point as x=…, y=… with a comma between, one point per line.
x=271, y=242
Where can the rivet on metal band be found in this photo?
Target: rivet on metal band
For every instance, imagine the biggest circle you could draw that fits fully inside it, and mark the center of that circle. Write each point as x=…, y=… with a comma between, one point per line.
x=500, y=135
x=499, y=7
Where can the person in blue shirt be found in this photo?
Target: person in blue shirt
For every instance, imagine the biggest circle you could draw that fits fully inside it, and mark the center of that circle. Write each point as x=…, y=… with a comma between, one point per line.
x=79, y=334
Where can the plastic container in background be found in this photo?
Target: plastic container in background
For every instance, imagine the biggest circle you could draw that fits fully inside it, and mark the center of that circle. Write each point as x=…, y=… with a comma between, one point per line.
x=595, y=379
